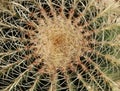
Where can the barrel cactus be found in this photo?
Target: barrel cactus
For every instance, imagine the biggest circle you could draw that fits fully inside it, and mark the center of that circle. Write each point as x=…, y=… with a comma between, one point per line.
x=59, y=45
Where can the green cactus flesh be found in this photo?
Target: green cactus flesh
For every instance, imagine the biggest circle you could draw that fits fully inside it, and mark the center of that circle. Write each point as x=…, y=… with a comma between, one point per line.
x=59, y=45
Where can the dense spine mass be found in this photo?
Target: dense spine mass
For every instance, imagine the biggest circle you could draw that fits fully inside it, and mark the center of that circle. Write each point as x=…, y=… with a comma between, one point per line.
x=59, y=45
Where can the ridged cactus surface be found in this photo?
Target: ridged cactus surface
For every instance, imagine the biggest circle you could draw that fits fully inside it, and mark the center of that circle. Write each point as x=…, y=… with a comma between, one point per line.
x=59, y=45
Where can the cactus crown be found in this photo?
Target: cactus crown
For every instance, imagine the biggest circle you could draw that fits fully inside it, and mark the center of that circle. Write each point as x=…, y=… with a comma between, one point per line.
x=59, y=45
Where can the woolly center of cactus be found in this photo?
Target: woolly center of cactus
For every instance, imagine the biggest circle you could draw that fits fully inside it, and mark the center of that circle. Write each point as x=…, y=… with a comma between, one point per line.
x=59, y=42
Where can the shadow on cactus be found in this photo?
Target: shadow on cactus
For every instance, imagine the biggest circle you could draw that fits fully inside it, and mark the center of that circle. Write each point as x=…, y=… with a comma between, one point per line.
x=59, y=45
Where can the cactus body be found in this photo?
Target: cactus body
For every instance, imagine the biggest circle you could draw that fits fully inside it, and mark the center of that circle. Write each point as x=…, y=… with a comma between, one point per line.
x=59, y=45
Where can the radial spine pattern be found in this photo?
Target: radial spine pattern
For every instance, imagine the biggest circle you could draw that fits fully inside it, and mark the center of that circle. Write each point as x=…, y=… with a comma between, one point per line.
x=59, y=45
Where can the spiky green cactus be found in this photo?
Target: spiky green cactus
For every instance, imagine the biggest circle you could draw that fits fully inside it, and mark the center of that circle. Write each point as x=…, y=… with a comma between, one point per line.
x=59, y=45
